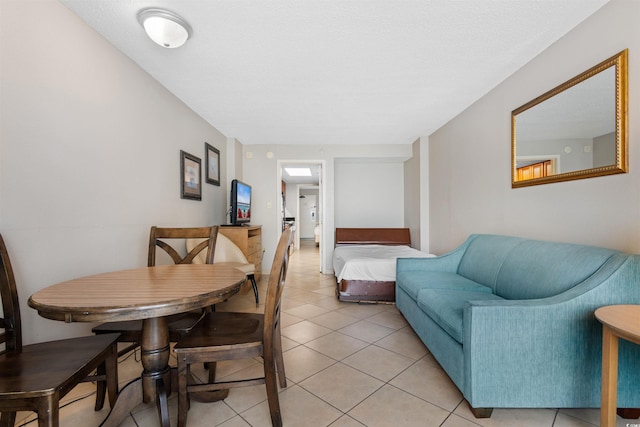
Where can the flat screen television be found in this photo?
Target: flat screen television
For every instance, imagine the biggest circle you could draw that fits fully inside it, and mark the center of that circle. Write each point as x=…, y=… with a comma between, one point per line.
x=240, y=203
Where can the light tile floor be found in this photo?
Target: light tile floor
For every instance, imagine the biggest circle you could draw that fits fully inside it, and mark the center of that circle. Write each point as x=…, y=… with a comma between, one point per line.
x=347, y=365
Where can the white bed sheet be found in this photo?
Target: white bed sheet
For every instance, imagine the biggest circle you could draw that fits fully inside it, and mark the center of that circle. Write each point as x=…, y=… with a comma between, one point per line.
x=371, y=262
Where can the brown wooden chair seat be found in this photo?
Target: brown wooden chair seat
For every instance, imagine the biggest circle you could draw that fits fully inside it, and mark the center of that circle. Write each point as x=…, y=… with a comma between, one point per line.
x=225, y=336
x=35, y=377
x=131, y=331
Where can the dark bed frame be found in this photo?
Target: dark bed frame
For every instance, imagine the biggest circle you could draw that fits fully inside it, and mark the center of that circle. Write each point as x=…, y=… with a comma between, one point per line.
x=369, y=290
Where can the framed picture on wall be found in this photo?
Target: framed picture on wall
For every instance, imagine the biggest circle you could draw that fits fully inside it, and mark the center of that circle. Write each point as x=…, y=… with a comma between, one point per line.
x=190, y=176
x=212, y=164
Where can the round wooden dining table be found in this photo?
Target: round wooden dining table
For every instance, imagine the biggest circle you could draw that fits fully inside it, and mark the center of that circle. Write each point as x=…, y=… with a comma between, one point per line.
x=150, y=294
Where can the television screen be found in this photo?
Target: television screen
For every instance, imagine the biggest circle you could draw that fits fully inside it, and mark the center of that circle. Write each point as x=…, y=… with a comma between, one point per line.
x=240, y=202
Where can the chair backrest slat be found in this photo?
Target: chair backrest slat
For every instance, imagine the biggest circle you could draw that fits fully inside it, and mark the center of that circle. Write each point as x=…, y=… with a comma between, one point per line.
x=276, y=286
x=159, y=235
x=11, y=322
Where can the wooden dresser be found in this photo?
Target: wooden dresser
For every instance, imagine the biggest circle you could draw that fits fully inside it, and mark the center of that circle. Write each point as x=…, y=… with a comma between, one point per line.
x=249, y=240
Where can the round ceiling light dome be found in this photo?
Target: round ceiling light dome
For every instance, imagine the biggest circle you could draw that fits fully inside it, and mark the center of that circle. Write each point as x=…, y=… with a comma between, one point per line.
x=165, y=28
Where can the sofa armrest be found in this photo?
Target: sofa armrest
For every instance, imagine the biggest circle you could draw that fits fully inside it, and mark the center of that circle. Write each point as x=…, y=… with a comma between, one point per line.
x=446, y=262
x=549, y=345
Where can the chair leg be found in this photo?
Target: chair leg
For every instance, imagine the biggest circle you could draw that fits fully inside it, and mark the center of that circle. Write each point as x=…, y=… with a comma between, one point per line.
x=183, y=398
x=277, y=349
x=211, y=367
x=7, y=419
x=255, y=286
x=107, y=382
x=272, y=391
x=49, y=411
x=111, y=371
x=101, y=387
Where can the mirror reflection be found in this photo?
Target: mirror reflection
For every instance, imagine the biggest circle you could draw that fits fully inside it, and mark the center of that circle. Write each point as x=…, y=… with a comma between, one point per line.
x=574, y=131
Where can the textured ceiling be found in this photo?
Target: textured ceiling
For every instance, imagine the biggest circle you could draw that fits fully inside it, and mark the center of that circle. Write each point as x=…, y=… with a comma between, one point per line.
x=336, y=72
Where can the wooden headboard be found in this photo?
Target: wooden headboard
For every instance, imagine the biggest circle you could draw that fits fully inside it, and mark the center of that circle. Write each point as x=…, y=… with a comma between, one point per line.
x=373, y=236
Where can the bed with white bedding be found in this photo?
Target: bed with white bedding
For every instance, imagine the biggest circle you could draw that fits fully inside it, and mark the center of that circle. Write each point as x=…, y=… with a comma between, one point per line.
x=364, y=262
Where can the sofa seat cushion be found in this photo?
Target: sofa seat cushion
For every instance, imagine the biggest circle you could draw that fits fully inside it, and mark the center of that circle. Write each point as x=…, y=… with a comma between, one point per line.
x=412, y=282
x=446, y=307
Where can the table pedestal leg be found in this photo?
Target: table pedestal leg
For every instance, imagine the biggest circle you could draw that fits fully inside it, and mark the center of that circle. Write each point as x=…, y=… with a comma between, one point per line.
x=609, y=378
x=154, y=350
x=156, y=376
x=155, y=382
x=129, y=397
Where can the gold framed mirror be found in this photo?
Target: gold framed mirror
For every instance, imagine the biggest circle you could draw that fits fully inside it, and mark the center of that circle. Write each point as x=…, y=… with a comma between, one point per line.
x=576, y=130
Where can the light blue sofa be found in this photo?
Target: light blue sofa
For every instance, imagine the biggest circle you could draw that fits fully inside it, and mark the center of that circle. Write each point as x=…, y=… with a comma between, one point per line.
x=512, y=322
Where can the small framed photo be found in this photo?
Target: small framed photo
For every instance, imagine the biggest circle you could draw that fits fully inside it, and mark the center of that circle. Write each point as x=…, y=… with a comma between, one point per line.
x=190, y=176
x=212, y=164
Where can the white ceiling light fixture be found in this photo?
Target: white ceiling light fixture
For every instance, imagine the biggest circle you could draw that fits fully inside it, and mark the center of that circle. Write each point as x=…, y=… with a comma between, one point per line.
x=298, y=171
x=165, y=28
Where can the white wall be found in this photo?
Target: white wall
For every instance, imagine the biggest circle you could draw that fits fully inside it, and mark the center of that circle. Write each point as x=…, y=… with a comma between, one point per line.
x=416, y=194
x=411, y=196
x=469, y=158
x=370, y=193
x=261, y=172
x=89, y=155
x=425, y=231
x=604, y=150
x=308, y=206
x=291, y=201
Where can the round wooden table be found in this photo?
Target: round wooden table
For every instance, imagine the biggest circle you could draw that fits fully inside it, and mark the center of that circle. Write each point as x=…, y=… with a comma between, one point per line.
x=148, y=293
x=618, y=321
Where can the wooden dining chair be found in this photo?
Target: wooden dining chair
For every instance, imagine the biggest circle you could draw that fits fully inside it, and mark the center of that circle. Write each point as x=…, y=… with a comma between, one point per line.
x=35, y=377
x=168, y=239
x=225, y=336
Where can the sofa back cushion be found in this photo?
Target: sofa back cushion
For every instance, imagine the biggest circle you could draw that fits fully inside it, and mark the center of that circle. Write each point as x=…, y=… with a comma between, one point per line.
x=535, y=269
x=517, y=268
x=484, y=256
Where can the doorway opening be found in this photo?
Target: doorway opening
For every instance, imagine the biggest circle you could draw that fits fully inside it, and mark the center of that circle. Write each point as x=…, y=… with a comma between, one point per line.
x=301, y=186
